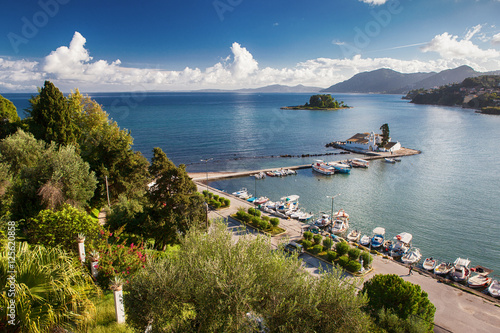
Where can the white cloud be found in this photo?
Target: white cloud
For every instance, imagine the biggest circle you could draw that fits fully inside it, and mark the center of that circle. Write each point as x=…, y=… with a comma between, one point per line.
x=450, y=47
x=374, y=2
x=73, y=67
x=496, y=39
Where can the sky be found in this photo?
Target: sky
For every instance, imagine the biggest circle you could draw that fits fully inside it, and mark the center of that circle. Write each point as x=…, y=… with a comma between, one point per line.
x=177, y=45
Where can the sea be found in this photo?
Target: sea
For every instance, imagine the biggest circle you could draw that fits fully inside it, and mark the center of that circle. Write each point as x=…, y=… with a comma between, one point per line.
x=447, y=197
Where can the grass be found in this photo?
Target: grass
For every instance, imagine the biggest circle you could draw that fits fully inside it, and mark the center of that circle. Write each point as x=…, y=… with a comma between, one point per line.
x=106, y=318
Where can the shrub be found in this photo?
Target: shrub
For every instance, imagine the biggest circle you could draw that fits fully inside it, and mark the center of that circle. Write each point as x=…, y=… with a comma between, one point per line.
x=227, y=202
x=353, y=266
x=343, y=261
x=328, y=242
x=306, y=243
x=240, y=215
x=205, y=193
x=255, y=220
x=265, y=218
x=316, y=249
x=253, y=211
x=308, y=235
x=331, y=255
x=275, y=221
x=354, y=253
x=264, y=225
x=341, y=248
x=317, y=239
x=367, y=259
x=216, y=197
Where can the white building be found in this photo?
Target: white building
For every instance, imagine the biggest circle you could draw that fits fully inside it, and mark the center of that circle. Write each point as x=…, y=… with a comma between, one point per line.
x=370, y=142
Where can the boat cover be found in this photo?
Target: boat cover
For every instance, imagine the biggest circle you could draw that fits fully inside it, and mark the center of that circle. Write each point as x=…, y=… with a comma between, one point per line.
x=379, y=231
x=404, y=237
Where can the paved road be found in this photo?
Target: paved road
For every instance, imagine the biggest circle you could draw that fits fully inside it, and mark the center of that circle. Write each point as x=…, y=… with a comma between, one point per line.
x=456, y=311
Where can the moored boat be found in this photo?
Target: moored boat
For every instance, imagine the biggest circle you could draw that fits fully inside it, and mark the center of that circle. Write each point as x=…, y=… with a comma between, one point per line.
x=365, y=240
x=261, y=200
x=461, y=271
x=378, y=237
x=323, y=220
x=429, y=264
x=340, y=167
x=387, y=246
x=494, y=288
x=340, y=226
x=401, y=245
x=359, y=163
x=412, y=256
x=390, y=160
x=479, y=281
x=354, y=235
x=320, y=167
x=443, y=268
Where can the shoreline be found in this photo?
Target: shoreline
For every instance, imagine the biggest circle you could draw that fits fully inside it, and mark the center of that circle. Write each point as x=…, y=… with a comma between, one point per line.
x=303, y=107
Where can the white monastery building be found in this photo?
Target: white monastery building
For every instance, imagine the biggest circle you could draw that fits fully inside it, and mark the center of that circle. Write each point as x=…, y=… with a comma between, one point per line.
x=370, y=142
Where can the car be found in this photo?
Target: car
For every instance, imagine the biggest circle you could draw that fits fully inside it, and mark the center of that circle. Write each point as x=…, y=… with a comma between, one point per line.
x=293, y=247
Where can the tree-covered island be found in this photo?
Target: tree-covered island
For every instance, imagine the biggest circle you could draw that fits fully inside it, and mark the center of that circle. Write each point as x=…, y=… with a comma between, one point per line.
x=319, y=102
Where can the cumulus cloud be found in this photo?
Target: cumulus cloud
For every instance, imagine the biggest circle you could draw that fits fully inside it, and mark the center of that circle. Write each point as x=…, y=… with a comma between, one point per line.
x=450, y=47
x=72, y=67
x=496, y=39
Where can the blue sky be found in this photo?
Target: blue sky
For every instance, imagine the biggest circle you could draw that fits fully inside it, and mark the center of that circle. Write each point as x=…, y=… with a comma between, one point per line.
x=183, y=45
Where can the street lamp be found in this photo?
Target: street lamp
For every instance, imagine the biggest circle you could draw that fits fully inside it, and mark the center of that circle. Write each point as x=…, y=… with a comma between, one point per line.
x=332, y=197
x=206, y=168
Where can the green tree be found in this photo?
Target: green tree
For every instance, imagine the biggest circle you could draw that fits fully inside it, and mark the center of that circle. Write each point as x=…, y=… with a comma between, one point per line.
x=385, y=134
x=214, y=284
x=51, y=116
x=9, y=120
x=174, y=205
x=52, y=290
x=404, y=299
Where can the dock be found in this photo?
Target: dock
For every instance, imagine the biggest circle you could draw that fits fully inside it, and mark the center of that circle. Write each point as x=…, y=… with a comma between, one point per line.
x=211, y=176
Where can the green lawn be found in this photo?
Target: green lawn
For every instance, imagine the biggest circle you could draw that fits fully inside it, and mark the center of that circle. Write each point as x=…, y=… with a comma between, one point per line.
x=106, y=318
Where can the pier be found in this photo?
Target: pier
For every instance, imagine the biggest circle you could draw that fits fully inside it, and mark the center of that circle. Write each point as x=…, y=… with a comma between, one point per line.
x=211, y=176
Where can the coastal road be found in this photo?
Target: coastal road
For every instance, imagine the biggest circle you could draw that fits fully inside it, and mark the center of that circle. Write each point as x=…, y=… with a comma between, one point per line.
x=456, y=310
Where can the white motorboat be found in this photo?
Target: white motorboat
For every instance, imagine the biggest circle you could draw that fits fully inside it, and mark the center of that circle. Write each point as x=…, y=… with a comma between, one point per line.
x=412, y=256
x=359, y=163
x=340, y=226
x=378, y=237
x=494, y=288
x=320, y=167
x=390, y=160
x=365, y=240
x=323, y=220
x=261, y=200
x=241, y=191
x=340, y=167
x=461, y=271
x=341, y=215
x=429, y=264
x=443, y=268
x=305, y=217
x=479, y=281
x=354, y=235
x=401, y=245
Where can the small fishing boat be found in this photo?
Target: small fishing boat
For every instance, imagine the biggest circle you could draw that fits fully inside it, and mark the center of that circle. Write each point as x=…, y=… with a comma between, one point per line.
x=429, y=264
x=270, y=174
x=320, y=167
x=401, y=245
x=461, y=271
x=390, y=160
x=323, y=220
x=387, y=246
x=252, y=199
x=354, y=235
x=412, y=256
x=443, y=268
x=260, y=175
x=261, y=200
x=342, y=215
x=365, y=240
x=359, y=163
x=340, y=167
x=305, y=217
x=494, y=288
x=378, y=237
x=242, y=193
x=340, y=226
x=479, y=281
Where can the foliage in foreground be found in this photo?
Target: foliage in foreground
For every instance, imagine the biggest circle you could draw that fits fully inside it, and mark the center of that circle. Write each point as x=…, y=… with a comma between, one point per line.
x=214, y=284
x=401, y=298
x=52, y=290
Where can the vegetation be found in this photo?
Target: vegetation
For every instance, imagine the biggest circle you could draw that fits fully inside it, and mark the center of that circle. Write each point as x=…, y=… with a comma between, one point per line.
x=52, y=291
x=9, y=120
x=401, y=298
x=264, y=223
x=385, y=134
x=342, y=248
x=214, y=284
x=320, y=102
x=216, y=202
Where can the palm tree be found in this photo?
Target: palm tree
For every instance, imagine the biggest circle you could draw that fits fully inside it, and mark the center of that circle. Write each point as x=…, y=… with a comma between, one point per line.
x=52, y=290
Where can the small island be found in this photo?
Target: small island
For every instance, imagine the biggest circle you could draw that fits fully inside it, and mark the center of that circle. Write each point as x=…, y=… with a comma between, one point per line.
x=319, y=102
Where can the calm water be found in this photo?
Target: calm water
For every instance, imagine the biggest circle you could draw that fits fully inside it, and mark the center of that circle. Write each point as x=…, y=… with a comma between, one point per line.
x=447, y=197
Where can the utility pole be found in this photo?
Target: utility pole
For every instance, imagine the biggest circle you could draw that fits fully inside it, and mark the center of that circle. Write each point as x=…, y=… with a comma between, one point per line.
x=107, y=190
x=332, y=197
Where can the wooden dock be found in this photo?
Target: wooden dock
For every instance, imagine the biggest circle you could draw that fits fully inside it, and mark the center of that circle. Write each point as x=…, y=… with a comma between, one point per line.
x=203, y=176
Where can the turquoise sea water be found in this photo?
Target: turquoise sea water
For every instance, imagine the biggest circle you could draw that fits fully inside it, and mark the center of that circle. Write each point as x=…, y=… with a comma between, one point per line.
x=447, y=197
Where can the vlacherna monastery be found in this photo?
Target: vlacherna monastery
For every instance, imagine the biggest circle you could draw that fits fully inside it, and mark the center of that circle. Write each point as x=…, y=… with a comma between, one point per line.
x=371, y=142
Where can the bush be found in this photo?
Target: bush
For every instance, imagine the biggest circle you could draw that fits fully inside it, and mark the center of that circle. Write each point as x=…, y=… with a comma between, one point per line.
x=240, y=215
x=266, y=218
x=343, y=261
x=264, y=225
x=308, y=235
x=328, y=242
x=275, y=221
x=227, y=202
x=317, y=239
x=331, y=255
x=255, y=220
x=367, y=259
x=306, y=243
x=354, y=253
x=353, y=266
x=341, y=248
x=216, y=197
x=253, y=211
x=316, y=249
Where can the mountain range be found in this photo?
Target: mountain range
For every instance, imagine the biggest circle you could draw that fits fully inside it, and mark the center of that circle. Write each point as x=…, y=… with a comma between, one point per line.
x=388, y=81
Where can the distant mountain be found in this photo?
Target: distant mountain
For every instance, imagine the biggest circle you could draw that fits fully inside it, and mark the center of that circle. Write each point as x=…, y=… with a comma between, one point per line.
x=387, y=81
x=275, y=88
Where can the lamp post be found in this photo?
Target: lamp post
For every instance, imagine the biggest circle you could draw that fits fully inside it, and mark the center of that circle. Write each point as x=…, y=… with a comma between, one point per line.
x=332, y=197
x=206, y=168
